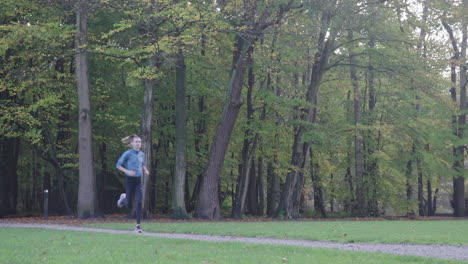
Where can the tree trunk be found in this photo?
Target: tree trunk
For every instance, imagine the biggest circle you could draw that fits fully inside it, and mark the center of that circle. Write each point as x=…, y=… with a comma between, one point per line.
x=371, y=168
x=261, y=188
x=208, y=206
x=421, y=50
x=273, y=189
x=248, y=150
x=429, y=208
x=147, y=137
x=409, y=185
x=349, y=201
x=87, y=200
x=50, y=155
x=9, y=153
x=458, y=122
x=421, y=203
x=361, y=182
x=178, y=201
x=319, y=201
x=252, y=195
x=104, y=194
x=288, y=206
x=459, y=182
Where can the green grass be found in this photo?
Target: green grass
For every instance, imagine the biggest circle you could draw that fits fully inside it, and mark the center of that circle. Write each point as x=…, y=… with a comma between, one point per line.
x=52, y=246
x=453, y=232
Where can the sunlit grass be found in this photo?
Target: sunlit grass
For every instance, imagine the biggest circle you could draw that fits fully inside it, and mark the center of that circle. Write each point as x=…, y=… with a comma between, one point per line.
x=453, y=232
x=19, y=245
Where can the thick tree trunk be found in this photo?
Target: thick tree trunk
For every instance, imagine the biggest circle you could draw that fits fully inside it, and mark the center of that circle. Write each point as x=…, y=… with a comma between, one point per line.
x=208, y=206
x=147, y=137
x=87, y=199
x=178, y=202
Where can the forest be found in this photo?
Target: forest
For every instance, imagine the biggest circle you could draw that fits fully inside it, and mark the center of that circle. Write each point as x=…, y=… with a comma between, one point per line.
x=269, y=108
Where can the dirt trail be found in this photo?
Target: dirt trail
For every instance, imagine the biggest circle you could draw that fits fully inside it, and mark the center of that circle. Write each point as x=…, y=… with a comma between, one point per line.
x=433, y=251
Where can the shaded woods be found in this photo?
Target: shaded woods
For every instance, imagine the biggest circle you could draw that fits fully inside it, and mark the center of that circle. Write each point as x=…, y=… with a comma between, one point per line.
x=279, y=108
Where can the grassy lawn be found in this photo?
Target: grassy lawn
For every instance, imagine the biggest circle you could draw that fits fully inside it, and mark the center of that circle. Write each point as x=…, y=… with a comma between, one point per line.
x=52, y=246
x=452, y=232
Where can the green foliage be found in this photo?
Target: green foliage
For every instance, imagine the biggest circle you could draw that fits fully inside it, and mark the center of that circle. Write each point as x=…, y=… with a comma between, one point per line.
x=39, y=101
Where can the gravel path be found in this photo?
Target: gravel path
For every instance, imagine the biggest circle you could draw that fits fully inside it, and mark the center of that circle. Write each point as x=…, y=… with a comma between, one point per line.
x=433, y=251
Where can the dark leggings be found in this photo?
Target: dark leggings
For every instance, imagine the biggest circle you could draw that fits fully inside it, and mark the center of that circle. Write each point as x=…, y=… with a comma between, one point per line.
x=133, y=187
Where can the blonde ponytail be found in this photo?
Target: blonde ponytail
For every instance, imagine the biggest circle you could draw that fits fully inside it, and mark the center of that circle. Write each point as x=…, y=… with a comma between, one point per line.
x=128, y=140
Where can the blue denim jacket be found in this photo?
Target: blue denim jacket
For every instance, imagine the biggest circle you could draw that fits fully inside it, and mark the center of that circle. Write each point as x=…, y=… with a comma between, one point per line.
x=132, y=160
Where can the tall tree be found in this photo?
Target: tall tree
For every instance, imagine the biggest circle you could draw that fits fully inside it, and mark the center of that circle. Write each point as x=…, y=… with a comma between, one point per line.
x=458, y=58
x=147, y=133
x=178, y=202
x=87, y=199
x=254, y=23
x=361, y=182
x=292, y=190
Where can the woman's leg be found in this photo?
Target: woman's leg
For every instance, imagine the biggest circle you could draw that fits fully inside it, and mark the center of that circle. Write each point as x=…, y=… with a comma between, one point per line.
x=138, y=197
x=129, y=189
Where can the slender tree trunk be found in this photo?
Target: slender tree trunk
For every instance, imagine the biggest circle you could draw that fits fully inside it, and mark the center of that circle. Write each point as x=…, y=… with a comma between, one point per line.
x=371, y=168
x=458, y=121
x=103, y=196
x=421, y=50
x=459, y=196
x=361, y=182
x=261, y=188
x=421, y=203
x=319, y=201
x=147, y=136
x=50, y=155
x=429, y=208
x=409, y=184
x=273, y=190
x=252, y=195
x=178, y=201
x=87, y=199
x=273, y=182
x=349, y=202
x=288, y=206
x=248, y=150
